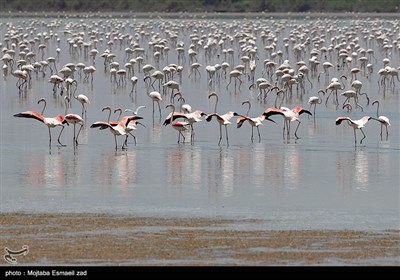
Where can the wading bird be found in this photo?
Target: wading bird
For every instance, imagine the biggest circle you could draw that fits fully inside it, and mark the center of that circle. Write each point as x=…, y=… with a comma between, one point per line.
x=254, y=122
x=382, y=119
x=58, y=120
x=156, y=97
x=73, y=119
x=357, y=124
x=83, y=99
x=117, y=129
x=288, y=116
x=222, y=119
x=314, y=100
x=178, y=125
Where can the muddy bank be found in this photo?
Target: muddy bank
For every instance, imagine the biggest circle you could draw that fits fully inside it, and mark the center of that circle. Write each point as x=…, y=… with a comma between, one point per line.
x=100, y=239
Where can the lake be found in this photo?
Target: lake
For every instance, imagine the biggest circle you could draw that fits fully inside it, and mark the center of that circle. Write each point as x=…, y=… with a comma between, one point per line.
x=321, y=180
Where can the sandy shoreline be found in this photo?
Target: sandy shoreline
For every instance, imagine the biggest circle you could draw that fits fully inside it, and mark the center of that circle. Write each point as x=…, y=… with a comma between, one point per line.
x=102, y=239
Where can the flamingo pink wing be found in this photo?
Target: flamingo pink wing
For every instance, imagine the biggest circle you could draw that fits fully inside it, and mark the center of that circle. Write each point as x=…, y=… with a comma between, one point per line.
x=30, y=114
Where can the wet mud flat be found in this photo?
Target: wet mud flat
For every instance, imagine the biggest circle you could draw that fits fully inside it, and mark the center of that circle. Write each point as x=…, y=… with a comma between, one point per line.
x=105, y=239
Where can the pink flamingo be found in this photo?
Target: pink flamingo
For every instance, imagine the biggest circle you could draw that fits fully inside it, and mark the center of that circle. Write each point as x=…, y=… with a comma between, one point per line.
x=58, y=120
x=288, y=116
x=74, y=119
x=178, y=125
x=356, y=124
x=382, y=119
x=117, y=129
x=254, y=122
x=222, y=119
x=191, y=118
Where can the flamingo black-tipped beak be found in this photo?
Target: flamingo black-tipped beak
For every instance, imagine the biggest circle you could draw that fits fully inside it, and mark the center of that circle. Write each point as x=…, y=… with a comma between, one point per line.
x=203, y=114
x=140, y=124
x=271, y=120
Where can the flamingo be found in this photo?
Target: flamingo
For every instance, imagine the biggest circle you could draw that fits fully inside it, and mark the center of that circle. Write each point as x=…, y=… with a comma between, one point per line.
x=353, y=94
x=382, y=119
x=74, y=119
x=58, y=120
x=326, y=65
x=348, y=107
x=355, y=124
x=222, y=119
x=178, y=125
x=57, y=81
x=254, y=122
x=314, y=100
x=236, y=75
x=172, y=85
x=190, y=117
x=117, y=129
x=334, y=86
x=134, y=81
x=133, y=124
x=156, y=75
x=83, y=99
x=156, y=97
x=135, y=113
x=186, y=108
x=109, y=114
x=288, y=115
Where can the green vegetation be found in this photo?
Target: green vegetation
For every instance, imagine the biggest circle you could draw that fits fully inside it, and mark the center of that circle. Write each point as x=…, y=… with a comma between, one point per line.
x=387, y=6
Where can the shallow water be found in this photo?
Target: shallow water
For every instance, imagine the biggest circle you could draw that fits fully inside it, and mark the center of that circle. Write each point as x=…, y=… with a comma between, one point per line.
x=321, y=180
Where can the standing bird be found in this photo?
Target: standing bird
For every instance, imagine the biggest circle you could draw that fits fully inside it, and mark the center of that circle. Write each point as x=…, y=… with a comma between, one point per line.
x=314, y=100
x=382, y=119
x=236, y=75
x=156, y=97
x=288, y=116
x=58, y=120
x=222, y=119
x=83, y=99
x=178, y=125
x=117, y=129
x=133, y=124
x=334, y=86
x=254, y=122
x=74, y=119
x=191, y=118
x=172, y=85
x=186, y=108
x=357, y=124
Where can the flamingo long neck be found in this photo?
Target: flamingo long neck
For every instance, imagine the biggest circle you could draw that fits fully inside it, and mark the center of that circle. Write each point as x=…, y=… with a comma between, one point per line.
x=248, y=110
x=75, y=96
x=276, y=99
x=216, y=103
x=66, y=101
x=342, y=82
x=120, y=113
x=182, y=101
x=109, y=114
x=319, y=96
x=173, y=111
x=377, y=110
x=44, y=106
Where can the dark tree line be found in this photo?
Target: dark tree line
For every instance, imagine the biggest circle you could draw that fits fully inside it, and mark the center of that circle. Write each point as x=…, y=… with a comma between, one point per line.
x=388, y=6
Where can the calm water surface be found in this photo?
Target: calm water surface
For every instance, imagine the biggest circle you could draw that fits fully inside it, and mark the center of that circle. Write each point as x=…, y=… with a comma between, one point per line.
x=321, y=180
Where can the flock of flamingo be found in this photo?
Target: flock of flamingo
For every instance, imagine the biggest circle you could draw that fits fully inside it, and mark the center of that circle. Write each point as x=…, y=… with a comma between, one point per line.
x=280, y=57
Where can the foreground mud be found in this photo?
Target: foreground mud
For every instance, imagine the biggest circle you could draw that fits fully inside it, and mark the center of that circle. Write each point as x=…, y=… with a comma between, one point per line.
x=99, y=239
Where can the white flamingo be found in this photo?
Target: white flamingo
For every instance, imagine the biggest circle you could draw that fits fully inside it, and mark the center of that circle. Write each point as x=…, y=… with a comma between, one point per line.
x=382, y=119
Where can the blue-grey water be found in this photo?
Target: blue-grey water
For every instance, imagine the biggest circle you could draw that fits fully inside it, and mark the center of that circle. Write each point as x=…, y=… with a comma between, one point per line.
x=321, y=180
